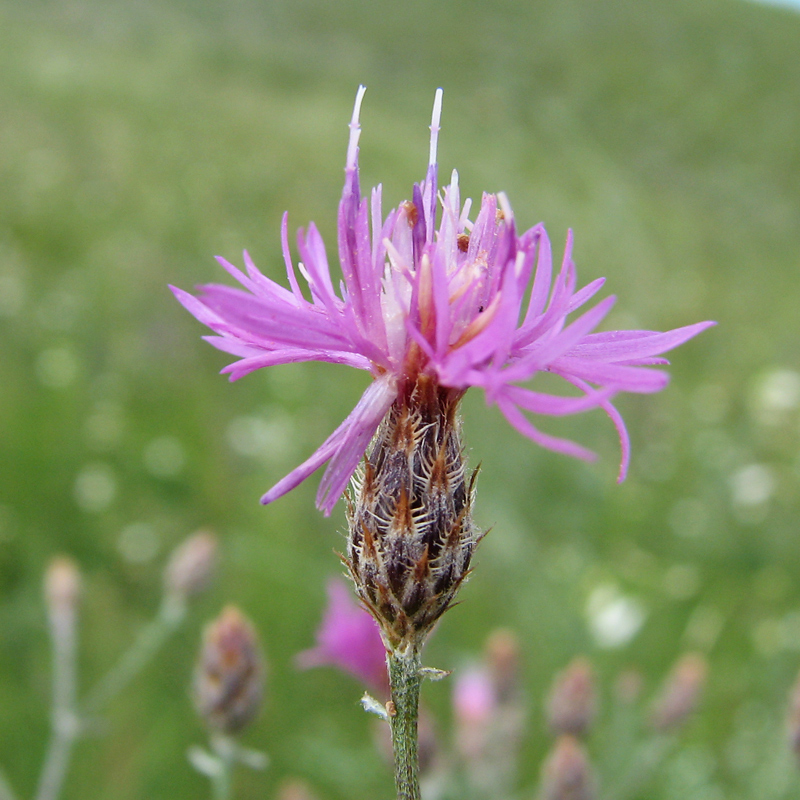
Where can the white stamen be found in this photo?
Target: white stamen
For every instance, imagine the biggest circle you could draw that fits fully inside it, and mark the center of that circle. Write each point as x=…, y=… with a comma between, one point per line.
x=435, y=118
x=505, y=206
x=520, y=260
x=355, y=130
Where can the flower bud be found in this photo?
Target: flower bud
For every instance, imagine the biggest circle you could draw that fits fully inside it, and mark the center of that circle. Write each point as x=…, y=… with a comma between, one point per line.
x=567, y=773
x=572, y=704
x=680, y=693
x=62, y=585
x=410, y=515
x=191, y=565
x=503, y=658
x=228, y=680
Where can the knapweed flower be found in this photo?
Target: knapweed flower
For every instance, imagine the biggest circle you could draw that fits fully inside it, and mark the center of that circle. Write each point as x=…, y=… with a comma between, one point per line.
x=467, y=303
x=349, y=639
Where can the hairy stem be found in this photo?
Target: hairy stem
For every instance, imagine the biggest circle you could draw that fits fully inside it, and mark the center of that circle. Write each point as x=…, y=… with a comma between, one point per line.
x=405, y=679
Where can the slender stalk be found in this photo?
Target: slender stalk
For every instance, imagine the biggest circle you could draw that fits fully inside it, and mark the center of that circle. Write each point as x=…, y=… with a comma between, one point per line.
x=65, y=726
x=149, y=642
x=405, y=680
x=646, y=758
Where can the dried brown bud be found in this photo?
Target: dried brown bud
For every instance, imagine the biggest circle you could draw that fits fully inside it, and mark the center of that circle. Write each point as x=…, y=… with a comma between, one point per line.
x=62, y=585
x=572, y=704
x=191, y=565
x=502, y=658
x=680, y=693
x=228, y=680
x=567, y=773
x=410, y=515
x=793, y=718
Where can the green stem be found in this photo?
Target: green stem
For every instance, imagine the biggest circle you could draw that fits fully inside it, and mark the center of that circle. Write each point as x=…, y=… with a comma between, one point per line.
x=148, y=643
x=6, y=792
x=65, y=726
x=405, y=680
x=221, y=782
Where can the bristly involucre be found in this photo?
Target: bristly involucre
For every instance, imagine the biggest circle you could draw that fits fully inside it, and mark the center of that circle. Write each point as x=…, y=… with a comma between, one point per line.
x=410, y=514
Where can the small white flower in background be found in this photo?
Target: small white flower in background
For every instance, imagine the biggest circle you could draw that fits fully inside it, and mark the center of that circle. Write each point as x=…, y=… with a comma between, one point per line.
x=95, y=487
x=752, y=485
x=614, y=618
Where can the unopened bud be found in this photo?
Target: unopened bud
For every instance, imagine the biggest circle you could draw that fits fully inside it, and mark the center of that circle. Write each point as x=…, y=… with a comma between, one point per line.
x=191, y=565
x=793, y=718
x=567, y=773
x=410, y=515
x=680, y=693
x=62, y=586
x=228, y=681
x=503, y=660
x=572, y=704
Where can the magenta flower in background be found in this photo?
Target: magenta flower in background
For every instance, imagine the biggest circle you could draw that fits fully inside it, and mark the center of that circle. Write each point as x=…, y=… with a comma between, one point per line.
x=350, y=639
x=470, y=303
x=474, y=696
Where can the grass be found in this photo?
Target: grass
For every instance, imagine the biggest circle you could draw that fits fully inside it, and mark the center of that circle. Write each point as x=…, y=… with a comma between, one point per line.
x=136, y=142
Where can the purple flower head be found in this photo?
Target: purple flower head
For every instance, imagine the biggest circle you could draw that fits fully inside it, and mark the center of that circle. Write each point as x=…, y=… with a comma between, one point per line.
x=348, y=638
x=470, y=303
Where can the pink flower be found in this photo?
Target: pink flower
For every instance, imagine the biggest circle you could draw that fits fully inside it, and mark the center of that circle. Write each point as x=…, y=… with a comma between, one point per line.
x=472, y=303
x=349, y=638
x=474, y=697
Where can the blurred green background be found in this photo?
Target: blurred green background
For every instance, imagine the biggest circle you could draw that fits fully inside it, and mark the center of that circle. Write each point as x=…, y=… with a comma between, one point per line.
x=138, y=140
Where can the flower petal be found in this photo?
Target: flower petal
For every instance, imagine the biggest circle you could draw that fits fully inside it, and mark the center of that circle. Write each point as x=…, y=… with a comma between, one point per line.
x=526, y=428
x=361, y=423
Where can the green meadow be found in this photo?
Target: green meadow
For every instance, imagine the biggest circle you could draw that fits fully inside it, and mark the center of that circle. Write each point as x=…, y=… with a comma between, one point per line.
x=139, y=140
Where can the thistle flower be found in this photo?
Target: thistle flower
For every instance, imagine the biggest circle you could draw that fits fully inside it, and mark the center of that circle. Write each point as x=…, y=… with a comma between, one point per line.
x=349, y=639
x=429, y=313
